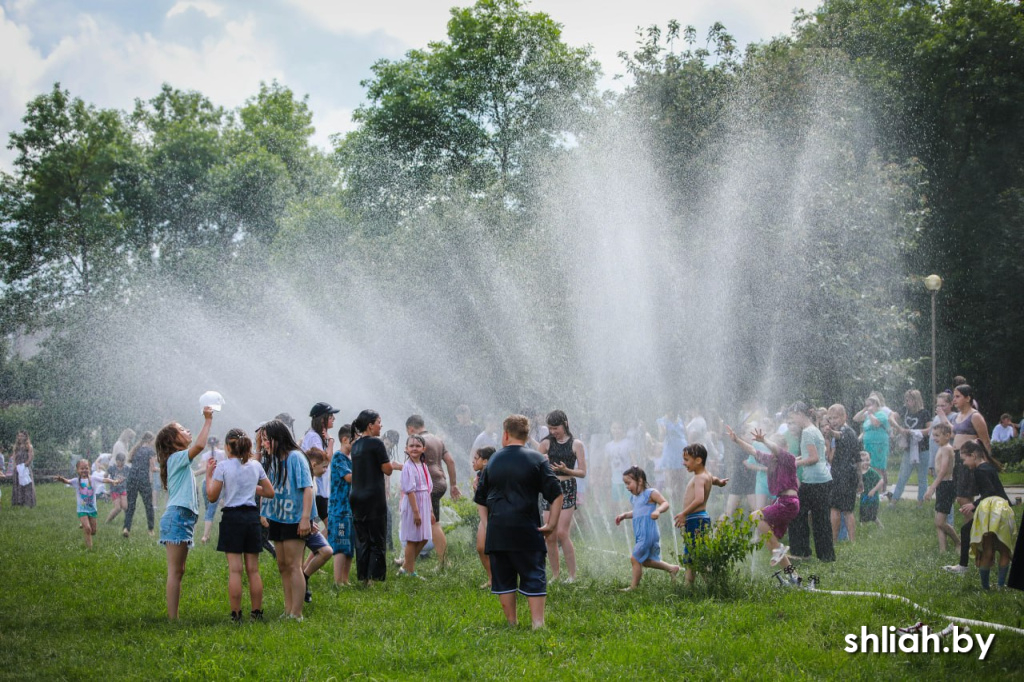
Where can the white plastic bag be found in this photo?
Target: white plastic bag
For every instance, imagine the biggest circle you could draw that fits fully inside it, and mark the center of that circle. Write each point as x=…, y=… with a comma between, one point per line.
x=24, y=475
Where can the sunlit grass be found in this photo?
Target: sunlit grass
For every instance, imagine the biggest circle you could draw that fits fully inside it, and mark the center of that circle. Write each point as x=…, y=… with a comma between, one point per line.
x=66, y=613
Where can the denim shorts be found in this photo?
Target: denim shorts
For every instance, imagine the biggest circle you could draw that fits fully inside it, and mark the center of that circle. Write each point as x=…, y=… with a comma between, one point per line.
x=177, y=526
x=211, y=507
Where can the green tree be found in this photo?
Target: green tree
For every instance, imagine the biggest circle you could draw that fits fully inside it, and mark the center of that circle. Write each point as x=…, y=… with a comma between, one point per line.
x=469, y=112
x=63, y=237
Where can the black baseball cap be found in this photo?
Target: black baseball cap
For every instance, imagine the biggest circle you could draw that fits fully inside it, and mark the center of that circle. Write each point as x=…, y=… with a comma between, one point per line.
x=321, y=409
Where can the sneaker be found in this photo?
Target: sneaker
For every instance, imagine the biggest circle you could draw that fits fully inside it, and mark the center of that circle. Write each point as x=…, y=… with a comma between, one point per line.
x=236, y=617
x=269, y=546
x=309, y=595
x=777, y=554
x=957, y=569
x=256, y=616
x=911, y=629
x=812, y=582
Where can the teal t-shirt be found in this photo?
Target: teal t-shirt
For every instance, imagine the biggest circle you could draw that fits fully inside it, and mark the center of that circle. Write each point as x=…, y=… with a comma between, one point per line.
x=286, y=505
x=181, y=484
x=815, y=473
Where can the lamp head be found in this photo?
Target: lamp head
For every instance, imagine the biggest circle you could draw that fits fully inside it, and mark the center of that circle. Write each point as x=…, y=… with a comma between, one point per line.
x=933, y=283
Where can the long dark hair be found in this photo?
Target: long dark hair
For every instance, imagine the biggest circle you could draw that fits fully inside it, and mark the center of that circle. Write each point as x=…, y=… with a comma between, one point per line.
x=363, y=421
x=319, y=425
x=558, y=418
x=278, y=433
x=145, y=441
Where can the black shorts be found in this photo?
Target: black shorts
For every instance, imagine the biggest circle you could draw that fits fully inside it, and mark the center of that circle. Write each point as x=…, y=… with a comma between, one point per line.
x=963, y=479
x=524, y=572
x=240, y=531
x=284, y=531
x=435, y=505
x=321, y=506
x=945, y=493
x=844, y=488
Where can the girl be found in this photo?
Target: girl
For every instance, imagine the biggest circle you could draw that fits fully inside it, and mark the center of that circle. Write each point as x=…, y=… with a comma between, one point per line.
x=569, y=462
x=992, y=524
x=872, y=484
x=370, y=465
x=24, y=494
x=773, y=521
x=480, y=459
x=288, y=514
x=140, y=460
x=84, y=484
x=175, y=451
x=415, y=506
x=319, y=436
x=236, y=482
x=118, y=487
x=339, y=508
x=648, y=505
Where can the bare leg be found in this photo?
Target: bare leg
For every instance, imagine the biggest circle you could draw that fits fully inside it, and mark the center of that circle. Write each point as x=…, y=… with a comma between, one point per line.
x=481, y=536
x=316, y=560
x=412, y=551
x=637, y=572
x=342, y=569
x=552, y=543
x=206, y=531
x=565, y=542
x=289, y=563
x=537, y=611
x=508, y=605
x=851, y=525
x=177, y=554
x=440, y=542
x=252, y=571
x=672, y=569
x=88, y=529
x=235, y=581
x=835, y=516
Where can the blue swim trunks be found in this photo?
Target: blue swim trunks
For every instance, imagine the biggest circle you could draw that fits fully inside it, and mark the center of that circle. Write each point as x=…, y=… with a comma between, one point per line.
x=697, y=522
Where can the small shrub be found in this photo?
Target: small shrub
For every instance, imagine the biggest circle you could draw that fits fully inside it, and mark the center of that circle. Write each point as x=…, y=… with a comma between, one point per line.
x=1010, y=452
x=715, y=555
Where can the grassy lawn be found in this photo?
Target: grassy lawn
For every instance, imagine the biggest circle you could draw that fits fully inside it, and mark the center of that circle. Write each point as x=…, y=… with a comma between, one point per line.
x=66, y=613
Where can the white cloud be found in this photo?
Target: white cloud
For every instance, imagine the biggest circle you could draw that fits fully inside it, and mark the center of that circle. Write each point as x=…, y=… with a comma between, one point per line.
x=210, y=9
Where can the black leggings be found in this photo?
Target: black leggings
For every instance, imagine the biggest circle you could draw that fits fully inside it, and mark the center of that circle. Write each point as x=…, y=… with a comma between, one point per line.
x=814, y=501
x=371, y=539
x=134, y=488
x=965, y=542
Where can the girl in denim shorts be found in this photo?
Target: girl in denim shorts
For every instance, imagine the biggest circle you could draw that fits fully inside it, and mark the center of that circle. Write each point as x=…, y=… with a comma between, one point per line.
x=175, y=451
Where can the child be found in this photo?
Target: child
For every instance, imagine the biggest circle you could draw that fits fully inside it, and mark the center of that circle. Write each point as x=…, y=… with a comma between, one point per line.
x=85, y=486
x=236, y=482
x=175, y=451
x=872, y=483
x=648, y=505
x=992, y=524
x=118, y=486
x=415, y=507
x=339, y=510
x=480, y=459
x=773, y=520
x=694, y=516
x=943, y=487
x=289, y=513
x=320, y=551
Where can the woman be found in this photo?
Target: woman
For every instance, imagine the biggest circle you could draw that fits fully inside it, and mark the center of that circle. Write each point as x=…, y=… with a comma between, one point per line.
x=141, y=460
x=915, y=426
x=370, y=465
x=319, y=436
x=815, y=488
x=968, y=425
x=123, y=445
x=24, y=453
x=569, y=462
x=876, y=435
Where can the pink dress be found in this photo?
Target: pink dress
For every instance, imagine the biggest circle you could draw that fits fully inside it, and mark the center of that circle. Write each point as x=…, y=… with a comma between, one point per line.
x=415, y=479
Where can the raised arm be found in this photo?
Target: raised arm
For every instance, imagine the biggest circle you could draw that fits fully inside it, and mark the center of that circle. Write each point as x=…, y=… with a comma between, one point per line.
x=199, y=442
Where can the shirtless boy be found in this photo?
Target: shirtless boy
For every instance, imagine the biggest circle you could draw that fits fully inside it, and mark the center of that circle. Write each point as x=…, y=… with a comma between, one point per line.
x=694, y=516
x=943, y=487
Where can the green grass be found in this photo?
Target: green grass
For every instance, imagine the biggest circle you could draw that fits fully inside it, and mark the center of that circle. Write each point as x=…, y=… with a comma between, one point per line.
x=67, y=613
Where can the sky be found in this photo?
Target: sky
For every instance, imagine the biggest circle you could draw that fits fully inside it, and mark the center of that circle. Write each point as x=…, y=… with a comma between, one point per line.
x=110, y=52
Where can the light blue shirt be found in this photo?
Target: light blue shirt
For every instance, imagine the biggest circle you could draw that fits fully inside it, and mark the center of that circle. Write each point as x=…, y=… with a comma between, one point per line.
x=286, y=505
x=181, y=484
x=815, y=473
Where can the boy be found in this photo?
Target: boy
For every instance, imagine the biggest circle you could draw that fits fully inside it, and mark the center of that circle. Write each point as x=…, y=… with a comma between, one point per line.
x=694, y=516
x=507, y=500
x=480, y=458
x=320, y=550
x=943, y=487
x=872, y=483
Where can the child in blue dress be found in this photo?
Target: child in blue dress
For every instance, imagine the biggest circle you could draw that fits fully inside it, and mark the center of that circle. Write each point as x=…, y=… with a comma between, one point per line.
x=648, y=505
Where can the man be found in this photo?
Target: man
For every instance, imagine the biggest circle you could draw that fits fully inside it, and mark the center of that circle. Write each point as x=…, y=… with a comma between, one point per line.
x=435, y=453
x=1003, y=431
x=515, y=542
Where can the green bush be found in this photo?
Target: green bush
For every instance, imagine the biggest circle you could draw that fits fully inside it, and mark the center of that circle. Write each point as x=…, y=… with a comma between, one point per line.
x=715, y=555
x=1010, y=452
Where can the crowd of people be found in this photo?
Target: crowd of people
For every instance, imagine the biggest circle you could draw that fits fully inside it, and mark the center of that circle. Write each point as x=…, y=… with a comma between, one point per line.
x=801, y=472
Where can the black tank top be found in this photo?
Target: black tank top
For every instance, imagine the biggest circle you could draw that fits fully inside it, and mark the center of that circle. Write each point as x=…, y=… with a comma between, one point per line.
x=561, y=453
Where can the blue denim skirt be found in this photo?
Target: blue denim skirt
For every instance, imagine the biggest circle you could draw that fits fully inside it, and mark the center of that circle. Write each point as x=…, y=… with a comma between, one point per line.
x=177, y=525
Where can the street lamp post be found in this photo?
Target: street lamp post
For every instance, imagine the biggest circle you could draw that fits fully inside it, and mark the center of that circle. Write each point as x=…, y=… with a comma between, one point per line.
x=933, y=283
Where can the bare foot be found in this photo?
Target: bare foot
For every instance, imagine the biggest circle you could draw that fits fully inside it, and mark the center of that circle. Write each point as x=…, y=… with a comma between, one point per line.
x=674, y=571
